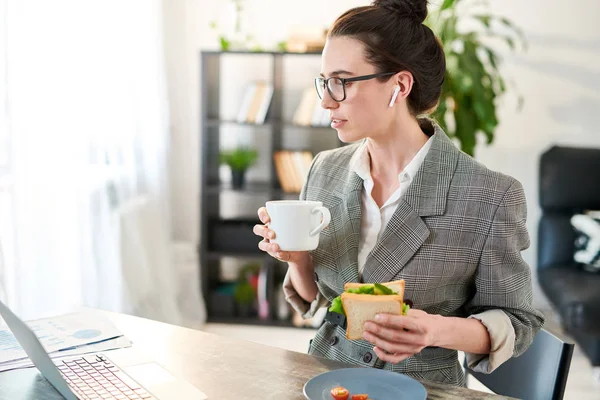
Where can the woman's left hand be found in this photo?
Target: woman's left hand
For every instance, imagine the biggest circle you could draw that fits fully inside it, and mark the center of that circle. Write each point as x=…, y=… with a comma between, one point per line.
x=397, y=337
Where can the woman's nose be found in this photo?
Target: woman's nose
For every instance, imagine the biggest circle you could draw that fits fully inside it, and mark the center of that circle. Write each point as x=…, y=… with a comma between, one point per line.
x=327, y=102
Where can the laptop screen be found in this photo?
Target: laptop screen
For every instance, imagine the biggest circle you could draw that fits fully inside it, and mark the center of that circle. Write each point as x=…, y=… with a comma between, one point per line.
x=35, y=351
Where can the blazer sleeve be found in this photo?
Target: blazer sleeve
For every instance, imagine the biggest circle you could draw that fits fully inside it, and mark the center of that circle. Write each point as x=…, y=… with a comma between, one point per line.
x=304, y=308
x=503, y=297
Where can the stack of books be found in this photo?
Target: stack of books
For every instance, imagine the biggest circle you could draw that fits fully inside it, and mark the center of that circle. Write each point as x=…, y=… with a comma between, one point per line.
x=310, y=112
x=292, y=168
x=255, y=103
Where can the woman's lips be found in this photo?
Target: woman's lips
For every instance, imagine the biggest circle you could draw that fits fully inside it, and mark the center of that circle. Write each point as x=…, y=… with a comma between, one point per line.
x=337, y=123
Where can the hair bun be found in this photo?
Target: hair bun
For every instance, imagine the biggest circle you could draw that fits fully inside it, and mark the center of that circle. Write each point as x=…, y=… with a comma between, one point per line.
x=414, y=9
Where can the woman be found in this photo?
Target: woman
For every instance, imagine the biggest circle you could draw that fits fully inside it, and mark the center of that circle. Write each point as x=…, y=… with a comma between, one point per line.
x=407, y=204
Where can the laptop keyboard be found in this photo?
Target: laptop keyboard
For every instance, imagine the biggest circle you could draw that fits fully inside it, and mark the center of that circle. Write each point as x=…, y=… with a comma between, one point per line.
x=96, y=378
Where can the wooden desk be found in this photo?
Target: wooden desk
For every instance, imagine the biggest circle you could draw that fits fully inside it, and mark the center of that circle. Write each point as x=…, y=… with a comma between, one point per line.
x=226, y=368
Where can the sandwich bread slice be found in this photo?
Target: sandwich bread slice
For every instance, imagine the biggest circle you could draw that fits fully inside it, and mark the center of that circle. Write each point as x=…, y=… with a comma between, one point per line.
x=360, y=302
x=361, y=308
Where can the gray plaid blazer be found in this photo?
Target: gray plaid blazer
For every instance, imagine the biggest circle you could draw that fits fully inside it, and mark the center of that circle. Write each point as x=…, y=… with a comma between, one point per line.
x=456, y=238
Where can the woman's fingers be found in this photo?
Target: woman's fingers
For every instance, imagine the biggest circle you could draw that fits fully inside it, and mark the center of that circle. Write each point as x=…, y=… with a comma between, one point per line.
x=264, y=231
x=391, y=358
x=267, y=234
x=391, y=346
x=263, y=215
x=265, y=245
x=401, y=334
x=390, y=334
x=398, y=322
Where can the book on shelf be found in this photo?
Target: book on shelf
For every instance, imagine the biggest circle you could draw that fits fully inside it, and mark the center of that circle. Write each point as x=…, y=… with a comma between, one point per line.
x=292, y=168
x=255, y=102
x=309, y=111
x=263, y=295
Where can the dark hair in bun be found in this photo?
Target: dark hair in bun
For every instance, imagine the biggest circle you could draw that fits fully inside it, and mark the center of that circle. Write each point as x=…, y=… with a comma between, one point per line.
x=416, y=9
x=396, y=40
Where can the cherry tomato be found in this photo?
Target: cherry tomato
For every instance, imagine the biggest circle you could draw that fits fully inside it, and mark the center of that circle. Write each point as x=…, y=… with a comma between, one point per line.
x=340, y=393
x=360, y=397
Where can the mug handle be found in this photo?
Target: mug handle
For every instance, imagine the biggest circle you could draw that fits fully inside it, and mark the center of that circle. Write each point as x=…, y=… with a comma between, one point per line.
x=326, y=220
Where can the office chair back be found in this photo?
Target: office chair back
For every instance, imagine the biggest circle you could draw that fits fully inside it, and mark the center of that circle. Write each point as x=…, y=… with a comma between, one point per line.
x=539, y=373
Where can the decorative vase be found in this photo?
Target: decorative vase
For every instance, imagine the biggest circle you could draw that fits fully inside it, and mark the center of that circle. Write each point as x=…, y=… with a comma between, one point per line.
x=238, y=178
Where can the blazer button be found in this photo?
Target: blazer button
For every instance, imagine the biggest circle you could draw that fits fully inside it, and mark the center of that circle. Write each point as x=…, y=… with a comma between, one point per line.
x=367, y=357
x=334, y=340
x=316, y=277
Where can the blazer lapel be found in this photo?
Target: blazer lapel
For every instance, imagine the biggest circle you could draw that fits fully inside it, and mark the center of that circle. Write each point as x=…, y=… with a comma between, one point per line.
x=402, y=237
x=348, y=234
x=406, y=231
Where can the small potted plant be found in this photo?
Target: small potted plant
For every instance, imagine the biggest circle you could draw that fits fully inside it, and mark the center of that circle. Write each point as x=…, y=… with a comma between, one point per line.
x=239, y=160
x=246, y=287
x=245, y=296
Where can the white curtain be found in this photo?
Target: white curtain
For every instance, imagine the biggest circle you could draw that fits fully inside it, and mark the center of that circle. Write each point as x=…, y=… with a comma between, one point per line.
x=86, y=114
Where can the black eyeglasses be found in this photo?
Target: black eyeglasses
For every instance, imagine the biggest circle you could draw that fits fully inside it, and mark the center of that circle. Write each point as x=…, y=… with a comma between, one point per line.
x=337, y=86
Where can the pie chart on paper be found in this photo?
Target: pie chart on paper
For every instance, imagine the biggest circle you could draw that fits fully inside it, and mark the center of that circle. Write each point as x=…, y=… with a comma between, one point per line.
x=87, y=334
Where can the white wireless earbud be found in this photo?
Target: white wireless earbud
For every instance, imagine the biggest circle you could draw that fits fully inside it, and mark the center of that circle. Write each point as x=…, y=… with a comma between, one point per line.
x=396, y=91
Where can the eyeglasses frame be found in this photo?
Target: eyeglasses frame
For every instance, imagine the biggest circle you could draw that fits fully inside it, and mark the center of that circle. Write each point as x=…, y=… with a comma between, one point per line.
x=344, y=80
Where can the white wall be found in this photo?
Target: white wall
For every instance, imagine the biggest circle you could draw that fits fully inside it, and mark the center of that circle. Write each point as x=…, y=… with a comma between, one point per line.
x=559, y=77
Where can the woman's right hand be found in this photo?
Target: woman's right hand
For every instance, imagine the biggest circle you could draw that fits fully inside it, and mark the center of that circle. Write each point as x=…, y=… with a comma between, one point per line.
x=295, y=257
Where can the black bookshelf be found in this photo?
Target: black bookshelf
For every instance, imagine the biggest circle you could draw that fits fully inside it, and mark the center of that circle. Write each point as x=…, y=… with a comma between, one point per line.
x=223, y=237
x=260, y=53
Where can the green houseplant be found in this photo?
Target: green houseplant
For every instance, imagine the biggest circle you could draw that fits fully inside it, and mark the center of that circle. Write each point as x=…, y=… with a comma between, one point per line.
x=473, y=82
x=245, y=290
x=237, y=39
x=244, y=295
x=239, y=160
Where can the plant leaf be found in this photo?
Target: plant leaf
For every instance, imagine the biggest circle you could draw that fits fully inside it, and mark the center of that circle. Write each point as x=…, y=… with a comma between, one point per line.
x=466, y=129
x=224, y=43
x=506, y=22
x=473, y=80
x=485, y=19
x=447, y=4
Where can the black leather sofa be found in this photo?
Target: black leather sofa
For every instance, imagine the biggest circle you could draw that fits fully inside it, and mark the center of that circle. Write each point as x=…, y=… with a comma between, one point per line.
x=569, y=184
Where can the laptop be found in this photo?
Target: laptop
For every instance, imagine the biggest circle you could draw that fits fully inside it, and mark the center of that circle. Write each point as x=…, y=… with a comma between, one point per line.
x=95, y=376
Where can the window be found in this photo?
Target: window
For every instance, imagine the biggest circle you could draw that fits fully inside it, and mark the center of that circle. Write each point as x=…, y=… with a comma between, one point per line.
x=7, y=229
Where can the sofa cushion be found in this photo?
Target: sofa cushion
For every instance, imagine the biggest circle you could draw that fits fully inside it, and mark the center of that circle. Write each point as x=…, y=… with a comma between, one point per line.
x=576, y=295
x=556, y=240
x=568, y=178
x=587, y=241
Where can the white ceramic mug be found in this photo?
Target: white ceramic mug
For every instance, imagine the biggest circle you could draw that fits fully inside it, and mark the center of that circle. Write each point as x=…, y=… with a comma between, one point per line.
x=297, y=223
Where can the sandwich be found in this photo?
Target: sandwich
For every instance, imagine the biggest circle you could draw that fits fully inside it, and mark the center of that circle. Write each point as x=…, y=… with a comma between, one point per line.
x=360, y=302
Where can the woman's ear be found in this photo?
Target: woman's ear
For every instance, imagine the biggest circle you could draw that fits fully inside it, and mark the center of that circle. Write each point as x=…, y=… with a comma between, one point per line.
x=405, y=81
